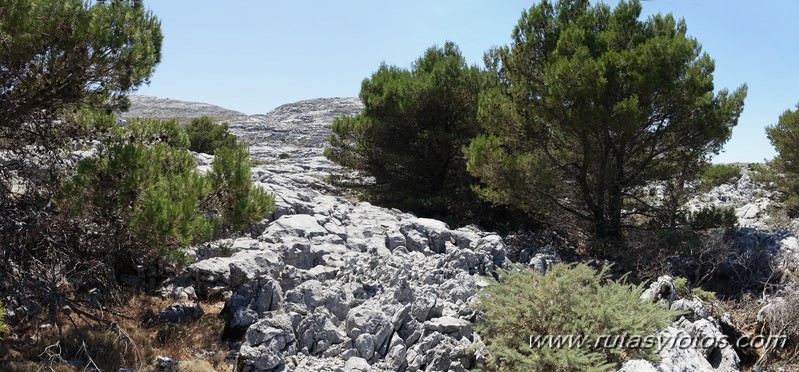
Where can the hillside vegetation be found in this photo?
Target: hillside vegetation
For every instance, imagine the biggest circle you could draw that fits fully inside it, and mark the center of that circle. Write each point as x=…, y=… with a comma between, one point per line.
x=455, y=212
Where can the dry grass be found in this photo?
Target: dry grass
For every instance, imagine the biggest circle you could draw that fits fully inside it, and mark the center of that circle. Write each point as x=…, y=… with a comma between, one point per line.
x=127, y=343
x=785, y=322
x=195, y=366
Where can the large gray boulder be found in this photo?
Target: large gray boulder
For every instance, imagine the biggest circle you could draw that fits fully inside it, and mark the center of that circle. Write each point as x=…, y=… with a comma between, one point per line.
x=213, y=276
x=267, y=343
x=313, y=295
x=249, y=303
x=661, y=291
x=316, y=333
x=179, y=313
x=297, y=226
x=356, y=364
x=423, y=234
x=691, y=344
x=457, y=328
x=371, y=329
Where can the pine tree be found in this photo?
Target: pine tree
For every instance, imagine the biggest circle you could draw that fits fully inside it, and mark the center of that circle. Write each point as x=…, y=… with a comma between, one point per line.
x=592, y=104
x=410, y=133
x=784, y=136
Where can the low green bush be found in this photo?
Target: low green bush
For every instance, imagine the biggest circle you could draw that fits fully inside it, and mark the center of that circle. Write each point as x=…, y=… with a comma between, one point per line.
x=234, y=198
x=568, y=300
x=719, y=174
x=155, y=131
x=206, y=136
x=764, y=174
x=143, y=185
x=704, y=295
x=713, y=217
x=681, y=286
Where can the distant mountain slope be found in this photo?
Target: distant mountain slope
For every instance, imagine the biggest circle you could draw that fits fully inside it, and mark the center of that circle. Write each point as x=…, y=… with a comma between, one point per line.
x=166, y=108
x=303, y=123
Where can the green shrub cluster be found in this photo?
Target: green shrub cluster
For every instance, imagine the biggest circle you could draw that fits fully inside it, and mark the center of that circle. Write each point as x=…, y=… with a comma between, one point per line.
x=531, y=132
x=233, y=197
x=2, y=319
x=681, y=286
x=683, y=290
x=206, y=136
x=764, y=174
x=713, y=217
x=785, y=166
x=410, y=135
x=717, y=175
x=567, y=300
x=143, y=177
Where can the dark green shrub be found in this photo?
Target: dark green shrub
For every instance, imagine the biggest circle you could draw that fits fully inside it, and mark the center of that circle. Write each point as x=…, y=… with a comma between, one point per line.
x=234, y=197
x=143, y=179
x=783, y=137
x=717, y=175
x=765, y=174
x=409, y=136
x=704, y=295
x=155, y=131
x=683, y=290
x=206, y=136
x=681, y=286
x=568, y=300
x=151, y=187
x=713, y=217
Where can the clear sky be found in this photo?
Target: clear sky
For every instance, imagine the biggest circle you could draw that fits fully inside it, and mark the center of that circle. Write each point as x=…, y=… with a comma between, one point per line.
x=254, y=55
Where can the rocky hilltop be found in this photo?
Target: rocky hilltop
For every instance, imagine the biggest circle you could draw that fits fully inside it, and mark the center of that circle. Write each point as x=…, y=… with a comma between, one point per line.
x=165, y=108
x=326, y=284
x=304, y=123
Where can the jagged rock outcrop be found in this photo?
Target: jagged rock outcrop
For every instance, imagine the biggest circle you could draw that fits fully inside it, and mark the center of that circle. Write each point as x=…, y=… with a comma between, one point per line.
x=749, y=199
x=695, y=341
x=325, y=283
x=301, y=124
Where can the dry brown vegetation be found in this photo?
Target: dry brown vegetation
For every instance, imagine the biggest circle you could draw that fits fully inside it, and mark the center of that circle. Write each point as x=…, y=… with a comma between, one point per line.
x=128, y=341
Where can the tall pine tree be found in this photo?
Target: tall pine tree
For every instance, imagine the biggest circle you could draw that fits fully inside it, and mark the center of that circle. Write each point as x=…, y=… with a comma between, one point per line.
x=592, y=103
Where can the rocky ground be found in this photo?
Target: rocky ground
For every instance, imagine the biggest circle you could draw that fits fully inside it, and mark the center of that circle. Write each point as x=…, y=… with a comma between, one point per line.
x=326, y=284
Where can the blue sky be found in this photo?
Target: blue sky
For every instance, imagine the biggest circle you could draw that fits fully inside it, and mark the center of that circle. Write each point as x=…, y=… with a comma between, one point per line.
x=254, y=55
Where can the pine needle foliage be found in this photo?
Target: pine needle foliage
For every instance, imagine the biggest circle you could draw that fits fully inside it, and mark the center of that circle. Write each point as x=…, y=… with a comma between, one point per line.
x=717, y=175
x=592, y=103
x=783, y=136
x=206, y=136
x=237, y=201
x=143, y=177
x=409, y=136
x=568, y=300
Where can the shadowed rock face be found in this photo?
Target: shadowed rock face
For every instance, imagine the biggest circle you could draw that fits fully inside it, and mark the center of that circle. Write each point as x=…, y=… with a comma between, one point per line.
x=328, y=284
